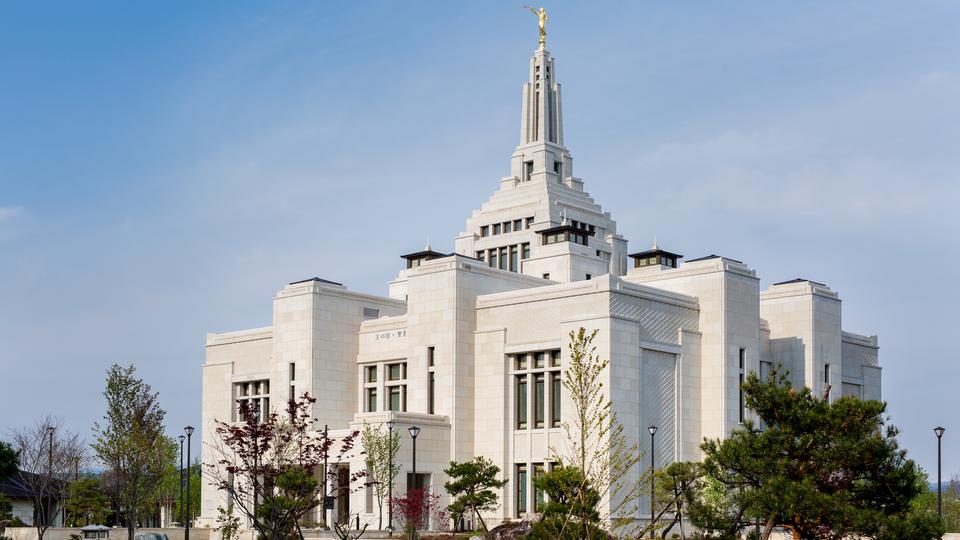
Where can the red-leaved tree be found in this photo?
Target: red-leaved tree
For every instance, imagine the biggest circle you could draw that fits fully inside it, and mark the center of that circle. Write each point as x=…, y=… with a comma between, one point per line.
x=267, y=464
x=419, y=508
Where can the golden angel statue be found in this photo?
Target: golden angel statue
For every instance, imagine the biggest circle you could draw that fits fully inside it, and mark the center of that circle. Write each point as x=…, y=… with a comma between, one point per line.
x=542, y=17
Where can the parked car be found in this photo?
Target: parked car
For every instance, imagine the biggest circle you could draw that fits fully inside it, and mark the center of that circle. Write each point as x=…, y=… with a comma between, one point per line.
x=150, y=536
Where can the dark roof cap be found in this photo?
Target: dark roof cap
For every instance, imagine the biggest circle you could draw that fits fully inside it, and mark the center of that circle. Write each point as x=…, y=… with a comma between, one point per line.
x=708, y=257
x=801, y=280
x=427, y=253
x=651, y=252
x=316, y=279
x=562, y=228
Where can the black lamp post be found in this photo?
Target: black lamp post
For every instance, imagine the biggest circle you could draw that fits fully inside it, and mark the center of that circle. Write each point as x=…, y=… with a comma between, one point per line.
x=180, y=517
x=48, y=517
x=653, y=432
x=390, y=424
x=414, y=431
x=939, y=431
x=186, y=532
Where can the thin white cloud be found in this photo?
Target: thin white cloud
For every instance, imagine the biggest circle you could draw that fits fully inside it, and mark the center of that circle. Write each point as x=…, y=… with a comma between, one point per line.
x=10, y=213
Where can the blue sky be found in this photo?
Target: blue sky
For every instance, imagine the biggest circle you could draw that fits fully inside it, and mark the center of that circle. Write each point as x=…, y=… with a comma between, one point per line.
x=165, y=168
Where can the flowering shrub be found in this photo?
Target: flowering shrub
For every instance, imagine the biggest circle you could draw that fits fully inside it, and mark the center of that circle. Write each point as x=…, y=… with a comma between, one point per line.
x=420, y=508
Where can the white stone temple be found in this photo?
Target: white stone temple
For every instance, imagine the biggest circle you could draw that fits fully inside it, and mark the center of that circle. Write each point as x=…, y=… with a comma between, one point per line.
x=470, y=346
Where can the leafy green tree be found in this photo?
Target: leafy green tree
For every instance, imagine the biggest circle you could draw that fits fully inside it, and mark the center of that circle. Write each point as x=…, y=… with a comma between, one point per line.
x=131, y=442
x=597, y=445
x=380, y=453
x=673, y=486
x=228, y=524
x=9, y=461
x=87, y=503
x=570, y=513
x=473, y=484
x=824, y=470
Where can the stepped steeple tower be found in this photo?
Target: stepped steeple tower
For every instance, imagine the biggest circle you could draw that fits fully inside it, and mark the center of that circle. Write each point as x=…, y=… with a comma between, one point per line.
x=541, y=154
x=541, y=222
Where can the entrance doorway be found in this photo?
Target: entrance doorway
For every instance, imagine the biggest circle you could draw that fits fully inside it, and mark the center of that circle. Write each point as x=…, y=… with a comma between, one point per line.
x=343, y=494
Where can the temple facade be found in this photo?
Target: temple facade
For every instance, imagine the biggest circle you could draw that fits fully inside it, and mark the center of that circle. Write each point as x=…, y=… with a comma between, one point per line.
x=470, y=346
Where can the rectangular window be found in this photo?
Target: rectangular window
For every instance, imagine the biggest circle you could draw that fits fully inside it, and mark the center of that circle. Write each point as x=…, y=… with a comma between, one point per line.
x=558, y=168
x=293, y=393
x=371, y=374
x=371, y=313
x=396, y=372
x=526, y=251
x=507, y=227
x=371, y=400
x=481, y=255
x=430, y=355
x=826, y=373
x=528, y=222
x=539, y=400
x=555, y=359
x=517, y=224
x=556, y=386
x=521, y=402
x=527, y=171
x=503, y=258
x=521, y=490
x=743, y=358
x=255, y=394
x=538, y=494
x=496, y=228
x=293, y=371
x=514, y=259
x=395, y=398
x=493, y=258
x=431, y=385
x=521, y=361
x=485, y=231
x=538, y=360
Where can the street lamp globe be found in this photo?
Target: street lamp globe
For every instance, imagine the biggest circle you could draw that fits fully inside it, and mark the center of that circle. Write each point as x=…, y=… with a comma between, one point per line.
x=188, y=430
x=939, y=431
x=414, y=431
x=652, y=430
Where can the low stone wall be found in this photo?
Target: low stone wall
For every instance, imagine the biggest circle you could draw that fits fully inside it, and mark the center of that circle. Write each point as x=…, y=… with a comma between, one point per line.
x=30, y=533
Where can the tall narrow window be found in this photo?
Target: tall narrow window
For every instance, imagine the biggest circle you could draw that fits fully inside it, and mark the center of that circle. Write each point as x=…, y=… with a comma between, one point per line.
x=526, y=251
x=521, y=402
x=514, y=260
x=293, y=371
x=395, y=398
x=558, y=168
x=517, y=224
x=481, y=255
x=371, y=400
x=539, y=400
x=555, y=387
x=503, y=258
x=521, y=490
x=496, y=228
x=743, y=357
x=538, y=495
x=430, y=352
x=527, y=171
x=826, y=373
x=493, y=257
x=430, y=396
x=485, y=231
